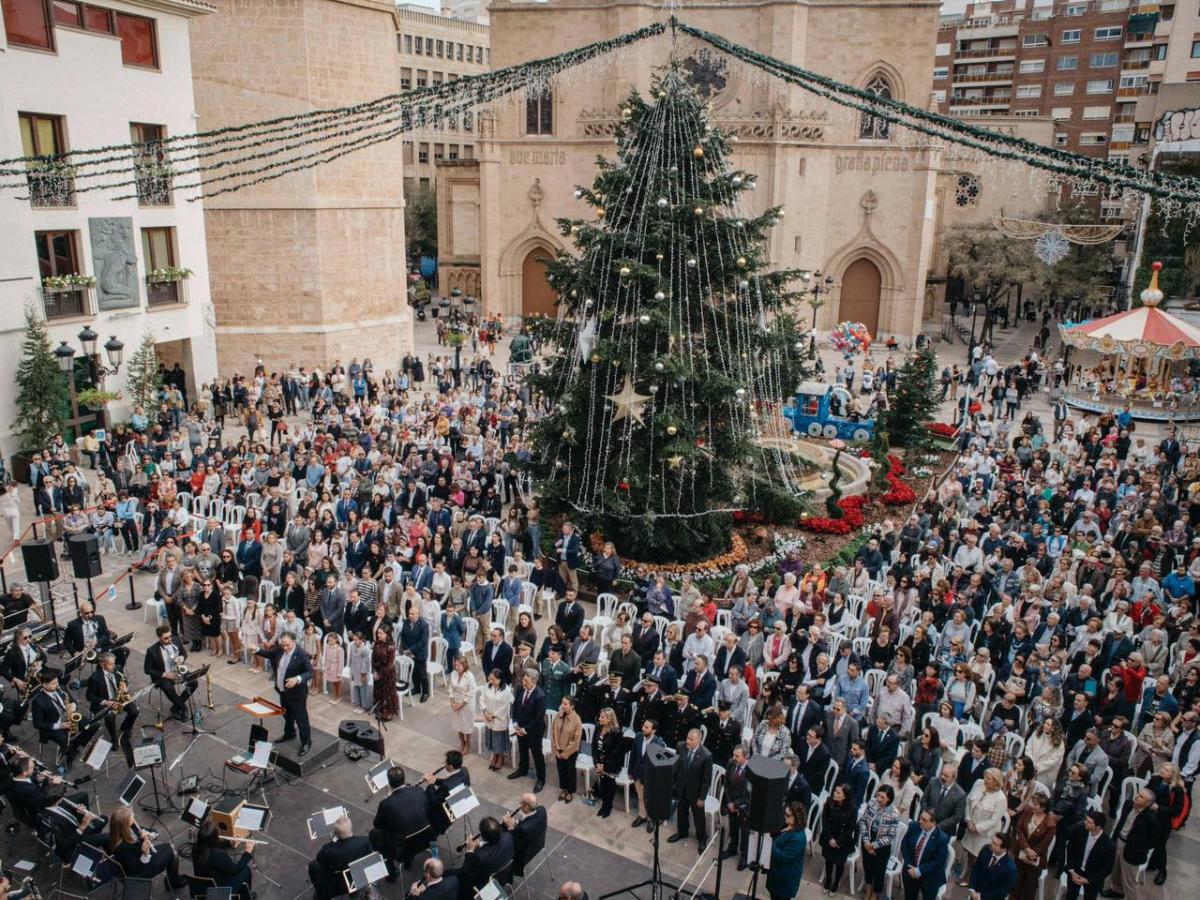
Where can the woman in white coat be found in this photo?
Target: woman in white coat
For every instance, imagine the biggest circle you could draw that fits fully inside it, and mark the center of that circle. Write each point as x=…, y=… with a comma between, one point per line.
x=987, y=805
x=462, y=702
x=496, y=702
x=1046, y=748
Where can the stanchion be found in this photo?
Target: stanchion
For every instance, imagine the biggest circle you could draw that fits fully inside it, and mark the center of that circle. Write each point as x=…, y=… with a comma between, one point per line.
x=133, y=603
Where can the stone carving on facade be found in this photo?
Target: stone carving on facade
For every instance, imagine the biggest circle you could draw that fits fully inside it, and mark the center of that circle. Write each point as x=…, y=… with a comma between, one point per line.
x=115, y=262
x=778, y=124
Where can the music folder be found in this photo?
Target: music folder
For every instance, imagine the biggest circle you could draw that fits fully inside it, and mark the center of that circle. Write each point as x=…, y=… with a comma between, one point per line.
x=377, y=776
x=196, y=812
x=320, y=823
x=364, y=872
x=129, y=788
x=85, y=860
x=252, y=818
x=148, y=753
x=490, y=891
x=99, y=754
x=460, y=802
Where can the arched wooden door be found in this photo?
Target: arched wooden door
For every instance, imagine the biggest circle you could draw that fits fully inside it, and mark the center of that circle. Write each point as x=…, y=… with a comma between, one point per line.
x=860, y=295
x=536, y=294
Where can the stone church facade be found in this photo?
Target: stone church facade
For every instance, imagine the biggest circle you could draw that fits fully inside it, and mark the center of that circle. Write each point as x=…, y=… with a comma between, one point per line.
x=863, y=203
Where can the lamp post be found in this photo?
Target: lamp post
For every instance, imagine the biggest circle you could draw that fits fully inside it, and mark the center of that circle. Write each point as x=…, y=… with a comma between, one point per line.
x=817, y=288
x=65, y=354
x=974, y=314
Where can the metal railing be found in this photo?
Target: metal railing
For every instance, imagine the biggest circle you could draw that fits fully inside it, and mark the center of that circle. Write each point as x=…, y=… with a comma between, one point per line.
x=1006, y=75
x=66, y=304
x=166, y=293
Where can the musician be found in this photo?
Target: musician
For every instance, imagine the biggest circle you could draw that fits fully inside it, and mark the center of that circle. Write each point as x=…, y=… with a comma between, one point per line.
x=102, y=690
x=293, y=672
x=724, y=732
x=529, y=717
x=50, y=717
x=529, y=834
x=89, y=632
x=162, y=665
x=435, y=884
x=401, y=819
x=325, y=872
x=30, y=791
x=647, y=738
x=134, y=849
x=489, y=855
x=18, y=604
x=22, y=653
x=211, y=858
x=438, y=789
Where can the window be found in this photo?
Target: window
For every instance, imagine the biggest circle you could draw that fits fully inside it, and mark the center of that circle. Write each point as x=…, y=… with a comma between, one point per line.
x=1141, y=135
x=439, y=151
x=942, y=50
x=439, y=49
x=1071, y=36
x=405, y=79
x=458, y=54
x=1077, y=9
x=27, y=23
x=57, y=255
x=1097, y=112
x=1064, y=88
x=939, y=96
x=539, y=113
x=1030, y=66
x=1060, y=113
x=1109, y=33
x=1133, y=81
x=139, y=46
x=158, y=247
x=453, y=151
x=1027, y=113
x=468, y=120
x=1067, y=63
x=408, y=43
x=1035, y=40
x=1026, y=91
x=1093, y=139
x=940, y=72
x=1060, y=140
x=1160, y=51
x=49, y=178
x=418, y=48
x=1122, y=133
x=422, y=153
x=1195, y=51
x=422, y=78
x=1166, y=12
x=874, y=128
x=470, y=53
x=468, y=151
x=1102, y=60
x=151, y=164
x=1100, y=86
x=67, y=12
x=429, y=46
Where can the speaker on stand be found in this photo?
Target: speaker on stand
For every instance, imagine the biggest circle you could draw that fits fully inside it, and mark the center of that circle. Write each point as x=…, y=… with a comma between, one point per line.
x=41, y=568
x=84, y=550
x=768, y=787
x=656, y=783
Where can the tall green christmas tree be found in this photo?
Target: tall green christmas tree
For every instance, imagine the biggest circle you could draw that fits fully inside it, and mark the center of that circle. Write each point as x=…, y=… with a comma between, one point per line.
x=41, y=388
x=918, y=393
x=675, y=348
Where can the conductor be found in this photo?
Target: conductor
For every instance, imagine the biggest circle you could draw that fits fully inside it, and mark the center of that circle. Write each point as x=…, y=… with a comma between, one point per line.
x=293, y=672
x=401, y=826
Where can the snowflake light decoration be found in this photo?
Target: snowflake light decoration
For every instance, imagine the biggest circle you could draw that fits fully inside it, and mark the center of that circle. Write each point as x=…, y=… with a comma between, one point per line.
x=1051, y=248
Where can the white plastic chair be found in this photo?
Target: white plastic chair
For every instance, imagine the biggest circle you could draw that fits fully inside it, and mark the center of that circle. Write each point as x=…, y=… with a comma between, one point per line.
x=814, y=823
x=466, y=646
x=606, y=608
x=831, y=774
x=875, y=679
x=1046, y=869
x=725, y=619
x=712, y=800
x=500, y=614
x=1096, y=801
x=266, y=592
x=404, y=677
x=436, y=665
x=584, y=762
x=624, y=781
x=152, y=603
x=550, y=714
x=861, y=646
x=895, y=860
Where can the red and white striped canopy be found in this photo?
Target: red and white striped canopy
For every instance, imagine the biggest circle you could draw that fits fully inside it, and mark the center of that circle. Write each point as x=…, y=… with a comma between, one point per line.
x=1143, y=332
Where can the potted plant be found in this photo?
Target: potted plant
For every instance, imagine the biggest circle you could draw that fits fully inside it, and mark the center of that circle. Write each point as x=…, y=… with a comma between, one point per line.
x=96, y=399
x=168, y=273
x=41, y=395
x=55, y=283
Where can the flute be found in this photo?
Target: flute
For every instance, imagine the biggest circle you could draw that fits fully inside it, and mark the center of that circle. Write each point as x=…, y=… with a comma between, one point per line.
x=434, y=772
x=475, y=836
x=239, y=840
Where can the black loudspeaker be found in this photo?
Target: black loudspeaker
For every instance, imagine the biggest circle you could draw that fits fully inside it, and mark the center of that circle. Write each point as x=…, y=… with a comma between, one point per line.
x=768, y=785
x=656, y=781
x=85, y=555
x=40, y=561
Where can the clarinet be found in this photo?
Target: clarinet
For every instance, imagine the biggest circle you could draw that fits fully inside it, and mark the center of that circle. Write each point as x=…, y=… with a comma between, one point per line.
x=475, y=836
x=413, y=892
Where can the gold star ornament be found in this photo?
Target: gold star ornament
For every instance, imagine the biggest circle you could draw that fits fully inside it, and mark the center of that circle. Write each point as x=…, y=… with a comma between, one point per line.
x=674, y=461
x=628, y=404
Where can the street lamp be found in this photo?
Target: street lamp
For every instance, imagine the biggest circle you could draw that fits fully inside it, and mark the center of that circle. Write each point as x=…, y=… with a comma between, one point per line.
x=814, y=300
x=65, y=354
x=974, y=313
x=113, y=348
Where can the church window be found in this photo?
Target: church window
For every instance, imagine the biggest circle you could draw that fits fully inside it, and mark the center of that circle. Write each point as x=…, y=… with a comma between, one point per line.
x=876, y=128
x=966, y=192
x=539, y=113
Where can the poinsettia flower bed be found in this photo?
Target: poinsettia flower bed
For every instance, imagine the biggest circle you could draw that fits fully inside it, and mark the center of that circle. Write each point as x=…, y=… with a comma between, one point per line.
x=942, y=430
x=900, y=494
x=852, y=518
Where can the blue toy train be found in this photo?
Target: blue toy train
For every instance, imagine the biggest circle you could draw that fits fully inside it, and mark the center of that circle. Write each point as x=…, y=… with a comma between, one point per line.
x=824, y=410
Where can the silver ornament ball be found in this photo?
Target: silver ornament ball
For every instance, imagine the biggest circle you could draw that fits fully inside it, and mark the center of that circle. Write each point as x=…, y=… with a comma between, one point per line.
x=691, y=264
x=658, y=367
x=644, y=319
x=662, y=203
x=659, y=296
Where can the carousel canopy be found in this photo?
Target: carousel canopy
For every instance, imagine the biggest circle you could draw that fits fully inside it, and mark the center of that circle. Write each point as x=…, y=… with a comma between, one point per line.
x=1146, y=332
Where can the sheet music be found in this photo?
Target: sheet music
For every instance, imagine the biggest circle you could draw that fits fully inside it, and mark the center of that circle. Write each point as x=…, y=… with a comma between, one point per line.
x=257, y=709
x=197, y=808
x=332, y=814
x=764, y=858
x=83, y=866
x=262, y=755
x=463, y=805
x=99, y=753
x=250, y=818
x=379, y=780
x=490, y=891
x=376, y=871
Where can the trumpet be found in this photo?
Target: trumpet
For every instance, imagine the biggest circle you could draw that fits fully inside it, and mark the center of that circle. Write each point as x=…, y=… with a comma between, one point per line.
x=90, y=653
x=475, y=836
x=181, y=670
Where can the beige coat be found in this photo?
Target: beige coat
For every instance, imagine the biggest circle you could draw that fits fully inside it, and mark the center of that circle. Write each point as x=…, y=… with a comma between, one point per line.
x=566, y=732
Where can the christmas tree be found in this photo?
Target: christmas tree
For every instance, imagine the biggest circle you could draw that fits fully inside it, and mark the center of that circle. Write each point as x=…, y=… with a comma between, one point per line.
x=915, y=402
x=675, y=348
x=41, y=388
x=143, y=378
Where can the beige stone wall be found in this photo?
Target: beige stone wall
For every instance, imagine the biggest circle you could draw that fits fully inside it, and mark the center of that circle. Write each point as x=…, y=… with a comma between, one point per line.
x=308, y=267
x=845, y=199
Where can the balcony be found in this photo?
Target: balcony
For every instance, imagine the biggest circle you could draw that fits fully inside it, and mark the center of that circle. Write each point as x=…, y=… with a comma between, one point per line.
x=1128, y=94
x=997, y=77
x=1135, y=64
x=153, y=185
x=166, y=293
x=996, y=53
x=51, y=182
x=66, y=303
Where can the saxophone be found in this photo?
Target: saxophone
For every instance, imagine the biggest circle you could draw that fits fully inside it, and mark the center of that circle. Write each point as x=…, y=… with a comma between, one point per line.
x=33, y=681
x=74, y=717
x=123, y=697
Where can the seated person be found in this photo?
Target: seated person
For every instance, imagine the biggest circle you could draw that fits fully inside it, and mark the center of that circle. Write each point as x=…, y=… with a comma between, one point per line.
x=211, y=858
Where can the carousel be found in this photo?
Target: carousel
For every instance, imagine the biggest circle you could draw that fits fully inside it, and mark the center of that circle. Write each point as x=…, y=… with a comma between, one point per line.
x=1148, y=361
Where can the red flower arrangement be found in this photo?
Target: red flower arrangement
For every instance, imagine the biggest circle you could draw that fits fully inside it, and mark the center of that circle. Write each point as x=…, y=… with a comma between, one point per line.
x=748, y=517
x=900, y=494
x=852, y=518
x=942, y=430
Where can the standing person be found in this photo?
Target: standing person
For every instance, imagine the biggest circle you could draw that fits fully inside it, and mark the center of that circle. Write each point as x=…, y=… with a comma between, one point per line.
x=1090, y=855
x=995, y=874
x=607, y=752
x=1137, y=834
x=414, y=643
x=293, y=672
x=462, y=702
x=839, y=836
x=736, y=804
x=570, y=551
x=1033, y=831
x=496, y=701
x=358, y=658
x=690, y=780
x=986, y=806
x=877, y=825
x=923, y=855
x=529, y=717
x=787, y=855
x=383, y=669
x=566, y=734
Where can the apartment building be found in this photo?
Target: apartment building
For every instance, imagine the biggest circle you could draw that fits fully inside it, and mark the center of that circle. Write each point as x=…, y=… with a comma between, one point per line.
x=77, y=75
x=436, y=49
x=1083, y=63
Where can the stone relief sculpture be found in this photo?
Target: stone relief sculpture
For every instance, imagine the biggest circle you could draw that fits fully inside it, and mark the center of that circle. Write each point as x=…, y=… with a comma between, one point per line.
x=115, y=262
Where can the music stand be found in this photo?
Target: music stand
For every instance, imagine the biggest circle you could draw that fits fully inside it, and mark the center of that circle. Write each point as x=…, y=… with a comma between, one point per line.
x=320, y=823
x=84, y=864
x=492, y=890
x=364, y=872
x=196, y=812
x=377, y=775
x=96, y=759
x=193, y=679
x=129, y=788
x=149, y=755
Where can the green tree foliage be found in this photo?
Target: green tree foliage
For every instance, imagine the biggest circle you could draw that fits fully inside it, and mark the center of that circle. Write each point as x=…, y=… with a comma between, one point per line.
x=915, y=401
x=143, y=379
x=420, y=222
x=667, y=299
x=41, y=388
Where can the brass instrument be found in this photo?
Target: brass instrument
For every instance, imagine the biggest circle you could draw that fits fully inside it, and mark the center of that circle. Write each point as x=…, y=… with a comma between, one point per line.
x=208, y=687
x=33, y=682
x=181, y=670
x=74, y=717
x=123, y=697
x=90, y=653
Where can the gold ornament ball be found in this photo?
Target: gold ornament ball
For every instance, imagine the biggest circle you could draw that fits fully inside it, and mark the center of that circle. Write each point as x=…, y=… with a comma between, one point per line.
x=626, y=113
x=574, y=229
x=566, y=435
x=741, y=262
x=599, y=212
x=672, y=430
x=595, y=357
x=699, y=210
x=698, y=153
x=624, y=271
x=658, y=256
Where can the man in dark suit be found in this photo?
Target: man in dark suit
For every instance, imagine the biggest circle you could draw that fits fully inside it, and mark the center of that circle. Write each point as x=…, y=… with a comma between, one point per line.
x=162, y=666
x=414, y=643
x=1139, y=830
x=723, y=732
x=570, y=555
x=91, y=631
x=583, y=650
x=28, y=791
x=498, y=654
x=1089, y=858
x=401, y=821
x=50, y=717
x=22, y=653
x=923, y=855
x=325, y=872
x=489, y=855
x=813, y=758
x=973, y=764
x=700, y=684
x=1077, y=720
x=882, y=744
x=570, y=615
x=995, y=873
x=330, y=614
x=435, y=884
x=690, y=781
x=668, y=678
x=529, y=717
x=947, y=800
x=857, y=772
x=529, y=834
x=438, y=789
x=646, y=739
x=841, y=730
x=803, y=714
x=736, y=804
x=293, y=671
x=357, y=617
x=421, y=575
x=645, y=637
x=102, y=688
x=797, y=790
